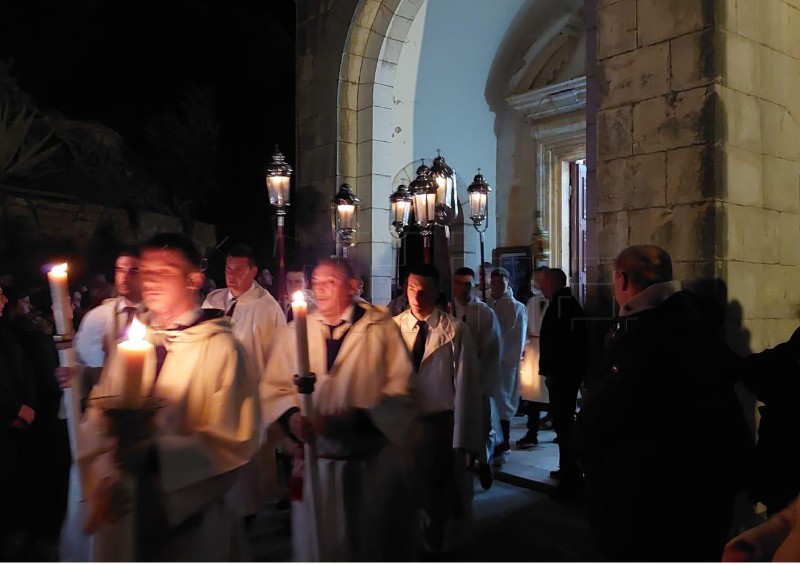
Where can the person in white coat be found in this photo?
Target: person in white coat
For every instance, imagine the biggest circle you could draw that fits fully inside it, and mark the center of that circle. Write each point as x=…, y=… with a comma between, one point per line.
x=446, y=390
x=104, y=326
x=484, y=328
x=513, y=324
x=362, y=417
x=255, y=316
x=206, y=427
x=532, y=387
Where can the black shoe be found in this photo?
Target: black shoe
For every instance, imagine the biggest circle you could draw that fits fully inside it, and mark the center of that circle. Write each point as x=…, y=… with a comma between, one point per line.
x=528, y=439
x=501, y=449
x=555, y=474
x=485, y=473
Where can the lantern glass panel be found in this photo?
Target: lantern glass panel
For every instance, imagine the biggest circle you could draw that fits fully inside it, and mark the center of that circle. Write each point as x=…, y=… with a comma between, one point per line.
x=278, y=188
x=346, y=214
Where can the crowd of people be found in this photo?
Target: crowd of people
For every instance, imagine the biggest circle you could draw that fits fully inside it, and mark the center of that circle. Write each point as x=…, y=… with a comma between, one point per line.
x=408, y=402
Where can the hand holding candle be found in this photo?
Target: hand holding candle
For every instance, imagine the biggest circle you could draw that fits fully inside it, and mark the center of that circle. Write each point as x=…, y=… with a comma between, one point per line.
x=134, y=352
x=299, y=313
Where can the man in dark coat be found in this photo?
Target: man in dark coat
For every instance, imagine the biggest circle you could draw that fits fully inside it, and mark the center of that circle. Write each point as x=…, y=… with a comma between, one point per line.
x=773, y=375
x=655, y=490
x=563, y=357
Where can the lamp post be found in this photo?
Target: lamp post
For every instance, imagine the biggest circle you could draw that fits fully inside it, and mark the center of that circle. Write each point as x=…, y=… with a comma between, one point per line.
x=424, y=190
x=400, y=203
x=345, y=210
x=278, y=179
x=479, y=207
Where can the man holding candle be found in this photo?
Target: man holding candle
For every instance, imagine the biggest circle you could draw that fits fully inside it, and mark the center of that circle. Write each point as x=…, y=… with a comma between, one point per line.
x=255, y=316
x=205, y=431
x=361, y=418
x=446, y=388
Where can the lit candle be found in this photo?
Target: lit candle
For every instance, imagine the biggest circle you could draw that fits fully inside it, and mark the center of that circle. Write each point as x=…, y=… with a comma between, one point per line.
x=59, y=293
x=134, y=352
x=299, y=314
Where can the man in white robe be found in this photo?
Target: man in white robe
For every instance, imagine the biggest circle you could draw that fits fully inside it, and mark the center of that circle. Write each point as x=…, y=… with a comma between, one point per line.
x=296, y=282
x=484, y=328
x=107, y=324
x=362, y=418
x=532, y=387
x=255, y=316
x=205, y=428
x=446, y=389
x=513, y=324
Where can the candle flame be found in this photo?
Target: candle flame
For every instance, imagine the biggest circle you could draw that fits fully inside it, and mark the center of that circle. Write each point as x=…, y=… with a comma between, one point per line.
x=298, y=297
x=59, y=269
x=136, y=331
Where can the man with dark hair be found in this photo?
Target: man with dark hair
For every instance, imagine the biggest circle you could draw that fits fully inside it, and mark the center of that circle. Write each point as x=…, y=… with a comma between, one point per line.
x=485, y=331
x=513, y=326
x=255, y=316
x=655, y=493
x=446, y=388
x=361, y=424
x=106, y=325
x=205, y=430
x=296, y=282
x=563, y=359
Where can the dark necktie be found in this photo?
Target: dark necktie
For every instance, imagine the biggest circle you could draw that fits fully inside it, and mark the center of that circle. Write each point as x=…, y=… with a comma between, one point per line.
x=232, y=307
x=333, y=345
x=418, y=351
x=129, y=312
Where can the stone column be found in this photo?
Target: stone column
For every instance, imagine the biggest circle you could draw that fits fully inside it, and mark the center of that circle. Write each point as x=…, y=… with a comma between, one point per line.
x=698, y=147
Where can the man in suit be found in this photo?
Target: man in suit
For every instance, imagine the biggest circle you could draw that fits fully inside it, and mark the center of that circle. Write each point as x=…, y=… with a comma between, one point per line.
x=563, y=358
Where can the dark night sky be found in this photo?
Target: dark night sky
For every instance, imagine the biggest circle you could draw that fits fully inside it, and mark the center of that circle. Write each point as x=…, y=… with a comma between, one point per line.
x=120, y=62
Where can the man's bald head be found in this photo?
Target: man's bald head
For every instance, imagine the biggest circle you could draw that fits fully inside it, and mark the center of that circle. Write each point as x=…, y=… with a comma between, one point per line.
x=638, y=267
x=644, y=265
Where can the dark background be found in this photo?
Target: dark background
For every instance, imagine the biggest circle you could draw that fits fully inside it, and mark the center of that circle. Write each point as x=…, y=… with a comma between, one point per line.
x=125, y=64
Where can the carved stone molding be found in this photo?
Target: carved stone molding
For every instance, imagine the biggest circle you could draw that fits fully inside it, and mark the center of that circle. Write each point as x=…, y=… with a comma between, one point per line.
x=552, y=100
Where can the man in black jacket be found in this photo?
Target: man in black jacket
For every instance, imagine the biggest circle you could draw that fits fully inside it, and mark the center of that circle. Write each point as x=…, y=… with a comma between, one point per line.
x=655, y=490
x=563, y=357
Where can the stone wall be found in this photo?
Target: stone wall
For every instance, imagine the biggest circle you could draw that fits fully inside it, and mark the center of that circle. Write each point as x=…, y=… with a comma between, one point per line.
x=47, y=226
x=697, y=148
x=758, y=166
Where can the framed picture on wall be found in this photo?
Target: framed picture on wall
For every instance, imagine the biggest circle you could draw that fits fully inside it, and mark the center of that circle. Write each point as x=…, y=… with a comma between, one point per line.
x=518, y=261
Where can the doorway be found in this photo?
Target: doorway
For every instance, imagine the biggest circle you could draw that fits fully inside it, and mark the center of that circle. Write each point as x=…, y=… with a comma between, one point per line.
x=576, y=205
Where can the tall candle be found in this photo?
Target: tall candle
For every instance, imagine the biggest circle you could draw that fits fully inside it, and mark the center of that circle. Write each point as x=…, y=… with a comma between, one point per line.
x=59, y=293
x=134, y=352
x=299, y=314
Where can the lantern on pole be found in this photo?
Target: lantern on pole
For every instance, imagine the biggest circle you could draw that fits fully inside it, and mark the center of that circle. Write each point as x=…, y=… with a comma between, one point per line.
x=345, y=211
x=400, y=204
x=278, y=179
x=446, y=191
x=479, y=208
x=424, y=191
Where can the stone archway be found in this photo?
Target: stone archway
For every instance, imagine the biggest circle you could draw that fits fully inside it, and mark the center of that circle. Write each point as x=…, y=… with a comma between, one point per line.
x=372, y=51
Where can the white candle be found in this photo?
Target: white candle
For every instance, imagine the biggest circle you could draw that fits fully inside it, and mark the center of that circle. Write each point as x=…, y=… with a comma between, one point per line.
x=299, y=314
x=134, y=352
x=59, y=293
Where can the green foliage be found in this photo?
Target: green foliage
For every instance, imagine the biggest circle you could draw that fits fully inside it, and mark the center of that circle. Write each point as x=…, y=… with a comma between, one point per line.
x=23, y=153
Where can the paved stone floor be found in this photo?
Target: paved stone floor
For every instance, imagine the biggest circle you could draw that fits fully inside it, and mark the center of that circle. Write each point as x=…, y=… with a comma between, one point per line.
x=515, y=520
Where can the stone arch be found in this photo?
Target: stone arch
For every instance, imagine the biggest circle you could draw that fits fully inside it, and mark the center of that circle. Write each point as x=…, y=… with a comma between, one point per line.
x=537, y=91
x=375, y=41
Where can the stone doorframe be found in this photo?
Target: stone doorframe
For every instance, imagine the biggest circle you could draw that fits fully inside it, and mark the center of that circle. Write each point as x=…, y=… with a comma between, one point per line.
x=557, y=116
